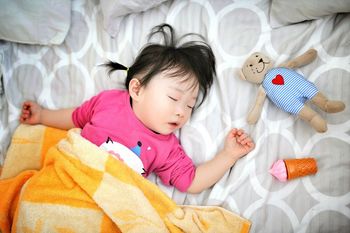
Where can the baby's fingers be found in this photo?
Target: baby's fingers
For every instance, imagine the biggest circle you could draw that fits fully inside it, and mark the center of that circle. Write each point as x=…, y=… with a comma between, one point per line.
x=240, y=132
x=25, y=111
x=242, y=137
x=236, y=132
x=249, y=145
x=23, y=118
x=245, y=140
x=233, y=132
x=26, y=103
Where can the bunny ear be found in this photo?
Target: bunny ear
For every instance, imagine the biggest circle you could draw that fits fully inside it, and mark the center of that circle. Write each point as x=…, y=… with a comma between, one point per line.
x=241, y=75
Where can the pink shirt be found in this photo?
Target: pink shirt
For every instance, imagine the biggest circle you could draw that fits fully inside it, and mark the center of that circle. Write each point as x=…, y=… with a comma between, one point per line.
x=108, y=117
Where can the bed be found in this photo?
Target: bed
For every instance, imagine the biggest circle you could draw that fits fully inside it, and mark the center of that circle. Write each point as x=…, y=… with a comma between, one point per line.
x=63, y=72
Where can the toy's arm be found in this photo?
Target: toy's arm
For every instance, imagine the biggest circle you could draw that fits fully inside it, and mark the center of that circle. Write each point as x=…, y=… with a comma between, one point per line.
x=254, y=114
x=302, y=60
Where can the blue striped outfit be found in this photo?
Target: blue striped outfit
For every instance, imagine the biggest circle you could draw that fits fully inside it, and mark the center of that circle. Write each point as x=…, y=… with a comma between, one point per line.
x=288, y=89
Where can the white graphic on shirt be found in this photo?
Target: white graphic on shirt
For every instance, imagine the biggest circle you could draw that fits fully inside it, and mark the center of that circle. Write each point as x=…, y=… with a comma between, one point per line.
x=124, y=154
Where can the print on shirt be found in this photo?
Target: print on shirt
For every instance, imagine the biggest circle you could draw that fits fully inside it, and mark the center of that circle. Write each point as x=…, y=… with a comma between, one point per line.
x=129, y=156
x=137, y=149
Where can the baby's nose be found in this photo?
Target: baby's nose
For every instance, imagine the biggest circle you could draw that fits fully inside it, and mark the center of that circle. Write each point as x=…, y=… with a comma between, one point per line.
x=180, y=112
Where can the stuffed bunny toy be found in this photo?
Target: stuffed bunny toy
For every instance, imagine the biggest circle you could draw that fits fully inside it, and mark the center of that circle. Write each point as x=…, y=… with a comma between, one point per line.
x=287, y=89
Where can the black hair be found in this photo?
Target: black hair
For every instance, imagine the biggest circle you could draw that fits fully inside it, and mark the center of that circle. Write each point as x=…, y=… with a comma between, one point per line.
x=193, y=57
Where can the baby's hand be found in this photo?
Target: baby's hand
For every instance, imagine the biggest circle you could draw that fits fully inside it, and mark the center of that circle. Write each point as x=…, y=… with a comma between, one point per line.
x=238, y=143
x=30, y=113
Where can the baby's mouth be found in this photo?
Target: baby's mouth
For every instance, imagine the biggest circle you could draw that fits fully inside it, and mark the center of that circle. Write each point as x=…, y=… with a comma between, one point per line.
x=173, y=124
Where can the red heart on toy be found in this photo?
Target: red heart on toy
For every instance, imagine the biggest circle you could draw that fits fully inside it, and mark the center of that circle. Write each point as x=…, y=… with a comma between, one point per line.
x=278, y=80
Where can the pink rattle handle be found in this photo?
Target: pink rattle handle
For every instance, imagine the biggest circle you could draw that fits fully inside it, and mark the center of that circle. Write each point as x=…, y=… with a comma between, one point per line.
x=288, y=169
x=279, y=170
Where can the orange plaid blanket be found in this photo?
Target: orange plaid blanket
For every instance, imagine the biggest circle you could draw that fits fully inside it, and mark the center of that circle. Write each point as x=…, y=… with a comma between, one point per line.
x=56, y=181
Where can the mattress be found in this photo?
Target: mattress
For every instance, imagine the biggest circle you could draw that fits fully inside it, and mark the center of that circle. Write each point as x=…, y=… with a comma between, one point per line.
x=65, y=75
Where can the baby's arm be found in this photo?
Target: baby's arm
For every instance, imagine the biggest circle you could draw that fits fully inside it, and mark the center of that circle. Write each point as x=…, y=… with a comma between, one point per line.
x=237, y=144
x=32, y=113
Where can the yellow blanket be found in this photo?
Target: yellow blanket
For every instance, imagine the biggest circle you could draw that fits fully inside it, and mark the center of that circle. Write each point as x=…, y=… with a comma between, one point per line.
x=70, y=185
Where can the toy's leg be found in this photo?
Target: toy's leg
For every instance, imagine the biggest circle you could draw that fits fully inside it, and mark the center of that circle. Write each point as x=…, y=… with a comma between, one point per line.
x=314, y=119
x=331, y=106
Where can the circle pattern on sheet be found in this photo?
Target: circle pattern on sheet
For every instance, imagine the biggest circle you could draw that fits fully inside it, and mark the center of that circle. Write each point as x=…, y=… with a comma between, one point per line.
x=340, y=78
x=266, y=219
x=340, y=225
x=104, y=82
x=67, y=87
x=67, y=74
x=288, y=40
x=328, y=163
x=77, y=33
x=17, y=87
x=243, y=41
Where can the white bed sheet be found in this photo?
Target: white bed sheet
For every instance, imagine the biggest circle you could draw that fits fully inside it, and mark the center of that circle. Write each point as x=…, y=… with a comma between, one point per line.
x=66, y=75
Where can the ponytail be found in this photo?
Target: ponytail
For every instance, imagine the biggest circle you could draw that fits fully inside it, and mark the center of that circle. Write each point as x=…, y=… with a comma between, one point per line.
x=113, y=66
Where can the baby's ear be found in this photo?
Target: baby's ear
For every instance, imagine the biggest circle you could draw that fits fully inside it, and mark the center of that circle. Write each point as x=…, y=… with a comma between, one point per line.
x=134, y=87
x=241, y=75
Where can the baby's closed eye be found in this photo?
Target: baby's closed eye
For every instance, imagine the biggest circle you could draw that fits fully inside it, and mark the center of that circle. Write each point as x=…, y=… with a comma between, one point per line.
x=190, y=104
x=172, y=98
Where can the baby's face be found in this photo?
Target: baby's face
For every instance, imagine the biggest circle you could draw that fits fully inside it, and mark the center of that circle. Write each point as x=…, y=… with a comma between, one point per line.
x=166, y=103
